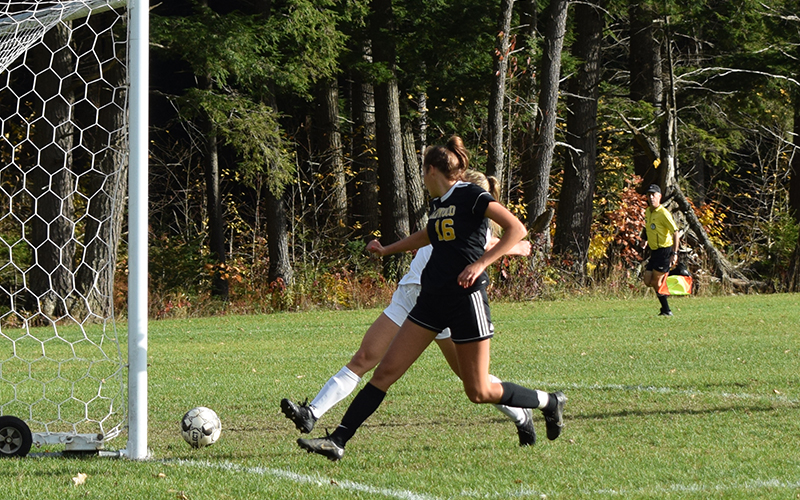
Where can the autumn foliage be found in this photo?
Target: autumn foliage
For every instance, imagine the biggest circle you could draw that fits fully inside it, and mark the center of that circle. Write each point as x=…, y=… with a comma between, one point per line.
x=616, y=240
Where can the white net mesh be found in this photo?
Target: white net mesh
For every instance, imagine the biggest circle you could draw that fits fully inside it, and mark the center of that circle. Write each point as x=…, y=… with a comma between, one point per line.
x=63, y=174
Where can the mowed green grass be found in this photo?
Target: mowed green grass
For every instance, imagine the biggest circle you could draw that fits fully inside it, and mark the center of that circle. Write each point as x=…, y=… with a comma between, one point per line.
x=702, y=405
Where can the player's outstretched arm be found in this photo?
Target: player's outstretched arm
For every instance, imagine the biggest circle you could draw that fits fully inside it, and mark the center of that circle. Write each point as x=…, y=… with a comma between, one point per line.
x=412, y=242
x=522, y=248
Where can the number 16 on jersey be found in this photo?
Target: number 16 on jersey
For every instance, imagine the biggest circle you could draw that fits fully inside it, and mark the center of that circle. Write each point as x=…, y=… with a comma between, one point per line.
x=444, y=229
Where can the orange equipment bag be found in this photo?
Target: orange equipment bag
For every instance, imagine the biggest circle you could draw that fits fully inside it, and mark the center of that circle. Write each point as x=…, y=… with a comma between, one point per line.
x=678, y=282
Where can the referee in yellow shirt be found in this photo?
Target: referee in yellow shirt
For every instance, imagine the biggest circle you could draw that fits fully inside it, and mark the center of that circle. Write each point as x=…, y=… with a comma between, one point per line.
x=663, y=238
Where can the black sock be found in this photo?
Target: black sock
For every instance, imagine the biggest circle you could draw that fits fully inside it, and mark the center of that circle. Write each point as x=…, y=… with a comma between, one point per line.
x=518, y=396
x=364, y=404
x=663, y=300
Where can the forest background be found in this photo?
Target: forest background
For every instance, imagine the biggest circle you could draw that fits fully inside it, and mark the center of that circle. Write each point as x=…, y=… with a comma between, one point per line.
x=285, y=134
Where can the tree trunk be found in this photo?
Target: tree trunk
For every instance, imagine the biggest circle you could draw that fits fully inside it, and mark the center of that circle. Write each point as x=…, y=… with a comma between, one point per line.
x=52, y=182
x=697, y=179
x=391, y=170
x=794, y=176
x=417, y=210
x=366, y=208
x=794, y=197
x=665, y=172
x=331, y=156
x=107, y=185
x=529, y=112
x=574, y=217
x=645, y=80
x=536, y=171
x=216, y=230
x=280, y=264
x=793, y=284
x=280, y=269
x=422, y=125
x=494, y=160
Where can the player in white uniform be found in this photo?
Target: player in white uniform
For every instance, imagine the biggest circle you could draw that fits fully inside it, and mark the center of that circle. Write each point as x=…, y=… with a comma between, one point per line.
x=381, y=333
x=453, y=295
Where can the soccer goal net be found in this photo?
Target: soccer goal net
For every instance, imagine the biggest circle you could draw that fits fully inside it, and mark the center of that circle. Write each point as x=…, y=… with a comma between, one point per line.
x=63, y=179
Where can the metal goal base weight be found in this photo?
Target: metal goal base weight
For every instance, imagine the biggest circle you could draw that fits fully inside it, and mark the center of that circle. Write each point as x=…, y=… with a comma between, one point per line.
x=16, y=440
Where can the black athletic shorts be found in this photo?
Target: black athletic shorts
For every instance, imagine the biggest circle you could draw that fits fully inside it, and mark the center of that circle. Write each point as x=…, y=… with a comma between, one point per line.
x=467, y=316
x=660, y=260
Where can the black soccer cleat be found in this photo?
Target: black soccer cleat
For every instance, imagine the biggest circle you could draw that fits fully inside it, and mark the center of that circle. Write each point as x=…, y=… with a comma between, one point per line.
x=525, y=430
x=665, y=313
x=554, y=419
x=300, y=414
x=322, y=446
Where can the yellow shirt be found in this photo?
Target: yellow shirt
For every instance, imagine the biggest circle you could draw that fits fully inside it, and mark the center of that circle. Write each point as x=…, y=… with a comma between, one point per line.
x=660, y=227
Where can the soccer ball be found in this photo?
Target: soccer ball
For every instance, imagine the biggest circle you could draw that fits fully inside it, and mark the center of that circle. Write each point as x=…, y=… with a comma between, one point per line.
x=200, y=427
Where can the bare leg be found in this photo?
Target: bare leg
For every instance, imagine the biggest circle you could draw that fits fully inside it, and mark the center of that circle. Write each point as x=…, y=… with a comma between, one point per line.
x=407, y=346
x=473, y=361
x=517, y=415
x=448, y=349
x=655, y=280
x=646, y=277
x=374, y=345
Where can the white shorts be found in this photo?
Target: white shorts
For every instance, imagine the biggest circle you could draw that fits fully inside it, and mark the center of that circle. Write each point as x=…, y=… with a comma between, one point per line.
x=403, y=300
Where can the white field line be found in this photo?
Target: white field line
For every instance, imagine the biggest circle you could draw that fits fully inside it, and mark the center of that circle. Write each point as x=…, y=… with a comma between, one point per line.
x=314, y=479
x=663, y=390
x=753, y=485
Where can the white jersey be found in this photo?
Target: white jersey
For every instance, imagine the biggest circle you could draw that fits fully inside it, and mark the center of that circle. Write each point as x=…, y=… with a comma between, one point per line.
x=418, y=263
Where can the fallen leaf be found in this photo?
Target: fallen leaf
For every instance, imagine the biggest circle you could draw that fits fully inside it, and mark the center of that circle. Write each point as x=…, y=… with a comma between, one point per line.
x=79, y=479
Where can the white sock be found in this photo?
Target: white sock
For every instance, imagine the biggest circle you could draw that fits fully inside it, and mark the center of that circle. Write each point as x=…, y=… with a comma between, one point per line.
x=515, y=414
x=544, y=398
x=335, y=389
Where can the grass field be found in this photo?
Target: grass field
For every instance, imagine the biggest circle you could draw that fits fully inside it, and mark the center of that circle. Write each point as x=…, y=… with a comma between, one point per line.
x=702, y=405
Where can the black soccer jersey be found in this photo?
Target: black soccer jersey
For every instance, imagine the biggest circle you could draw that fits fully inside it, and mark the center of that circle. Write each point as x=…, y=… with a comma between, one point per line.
x=457, y=228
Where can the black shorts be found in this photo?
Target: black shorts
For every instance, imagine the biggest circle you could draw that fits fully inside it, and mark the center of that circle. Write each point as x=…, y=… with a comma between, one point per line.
x=467, y=316
x=660, y=260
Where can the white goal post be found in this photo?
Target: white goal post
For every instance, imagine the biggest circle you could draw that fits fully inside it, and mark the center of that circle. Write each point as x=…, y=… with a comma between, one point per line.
x=73, y=144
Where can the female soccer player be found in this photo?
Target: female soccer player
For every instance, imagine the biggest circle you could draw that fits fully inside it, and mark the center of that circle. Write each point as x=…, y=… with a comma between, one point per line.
x=380, y=334
x=453, y=295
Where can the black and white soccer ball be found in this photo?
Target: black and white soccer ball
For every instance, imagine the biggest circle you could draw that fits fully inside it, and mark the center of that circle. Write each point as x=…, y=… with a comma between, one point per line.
x=200, y=427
